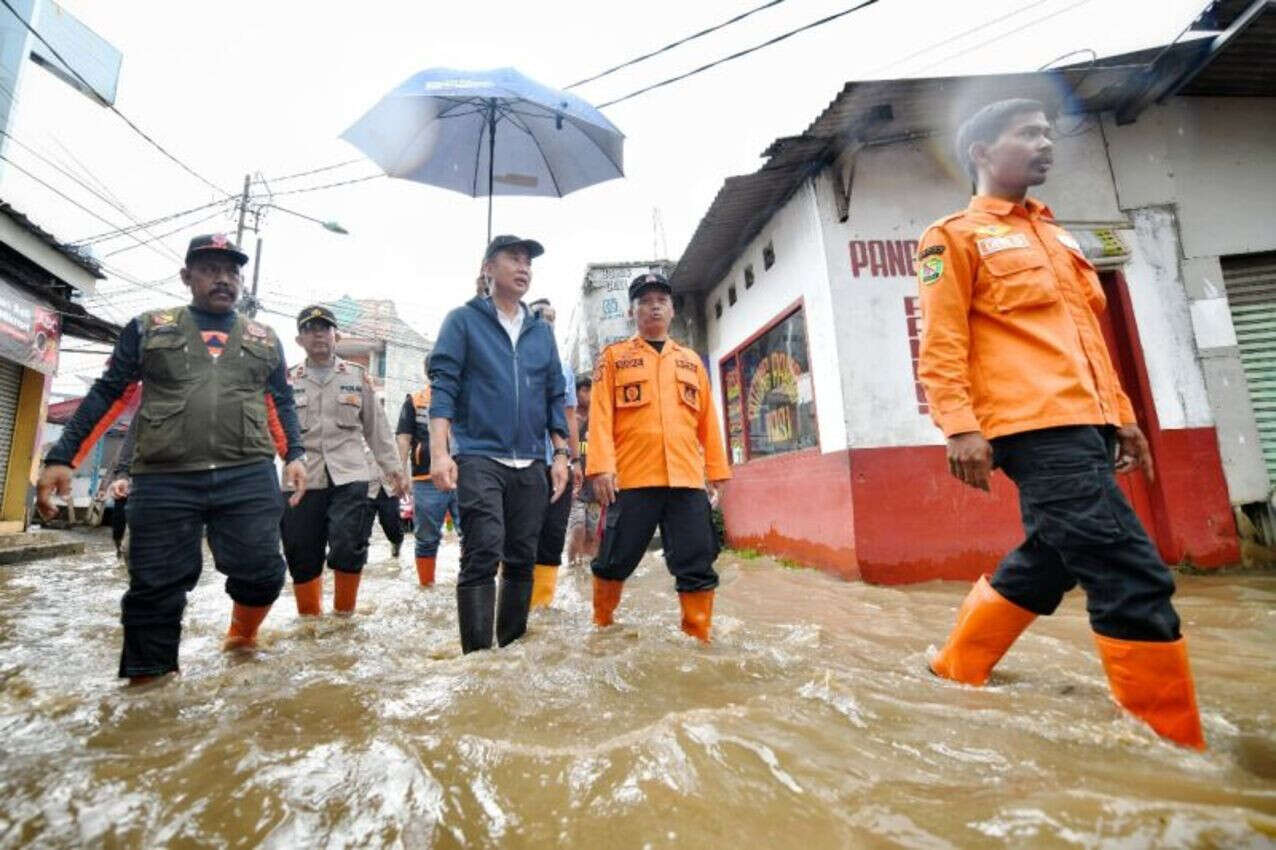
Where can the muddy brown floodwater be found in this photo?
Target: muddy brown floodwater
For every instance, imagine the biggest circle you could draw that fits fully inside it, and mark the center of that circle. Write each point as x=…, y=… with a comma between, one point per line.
x=811, y=722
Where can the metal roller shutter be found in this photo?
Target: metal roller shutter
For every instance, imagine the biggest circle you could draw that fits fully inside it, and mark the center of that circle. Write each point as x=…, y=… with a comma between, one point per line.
x=10, y=385
x=1251, y=293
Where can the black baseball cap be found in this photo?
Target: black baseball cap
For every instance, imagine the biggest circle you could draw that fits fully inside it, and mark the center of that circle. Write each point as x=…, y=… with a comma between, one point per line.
x=316, y=312
x=534, y=248
x=218, y=243
x=648, y=280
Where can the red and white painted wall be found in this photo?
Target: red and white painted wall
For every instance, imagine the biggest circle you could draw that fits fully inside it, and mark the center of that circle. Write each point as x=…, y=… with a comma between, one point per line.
x=858, y=484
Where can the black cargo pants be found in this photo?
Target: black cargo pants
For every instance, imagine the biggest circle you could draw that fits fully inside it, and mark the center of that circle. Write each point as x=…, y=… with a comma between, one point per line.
x=686, y=530
x=1081, y=529
x=167, y=513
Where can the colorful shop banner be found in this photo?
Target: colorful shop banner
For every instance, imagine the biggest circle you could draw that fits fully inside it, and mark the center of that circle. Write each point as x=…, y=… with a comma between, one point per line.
x=29, y=330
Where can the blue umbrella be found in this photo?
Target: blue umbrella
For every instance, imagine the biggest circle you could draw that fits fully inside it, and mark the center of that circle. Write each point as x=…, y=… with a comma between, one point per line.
x=440, y=127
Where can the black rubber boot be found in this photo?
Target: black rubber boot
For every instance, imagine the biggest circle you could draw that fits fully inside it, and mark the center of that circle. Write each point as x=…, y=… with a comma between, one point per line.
x=474, y=609
x=511, y=613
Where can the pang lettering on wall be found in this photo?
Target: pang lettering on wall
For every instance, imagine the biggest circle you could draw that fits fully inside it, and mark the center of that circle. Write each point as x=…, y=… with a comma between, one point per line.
x=883, y=257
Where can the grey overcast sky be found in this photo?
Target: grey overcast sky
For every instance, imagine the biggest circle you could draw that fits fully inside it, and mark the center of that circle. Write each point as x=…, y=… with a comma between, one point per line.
x=239, y=86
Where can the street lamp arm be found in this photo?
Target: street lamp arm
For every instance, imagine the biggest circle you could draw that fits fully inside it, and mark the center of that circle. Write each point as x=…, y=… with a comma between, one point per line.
x=327, y=225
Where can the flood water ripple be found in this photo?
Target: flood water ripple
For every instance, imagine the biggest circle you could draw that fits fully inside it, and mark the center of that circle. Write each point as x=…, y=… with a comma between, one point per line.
x=811, y=722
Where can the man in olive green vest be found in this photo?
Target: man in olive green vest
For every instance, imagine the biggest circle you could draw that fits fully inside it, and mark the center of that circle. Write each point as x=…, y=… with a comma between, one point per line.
x=216, y=406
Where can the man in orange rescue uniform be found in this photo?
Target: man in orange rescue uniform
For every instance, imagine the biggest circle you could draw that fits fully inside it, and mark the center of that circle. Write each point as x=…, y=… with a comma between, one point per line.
x=655, y=440
x=1018, y=376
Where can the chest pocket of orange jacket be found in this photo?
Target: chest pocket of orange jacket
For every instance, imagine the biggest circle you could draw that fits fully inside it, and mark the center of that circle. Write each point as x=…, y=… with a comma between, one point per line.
x=689, y=394
x=634, y=394
x=1093, y=289
x=1019, y=278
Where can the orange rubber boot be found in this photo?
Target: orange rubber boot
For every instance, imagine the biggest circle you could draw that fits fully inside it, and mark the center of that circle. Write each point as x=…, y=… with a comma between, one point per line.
x=309, y=596
x=697, y=613
x=345, y=590
x=1153, y=681
x=544, y=580
x=425, y=570
x=244, y=622
x=606, y=598
x=987, y=624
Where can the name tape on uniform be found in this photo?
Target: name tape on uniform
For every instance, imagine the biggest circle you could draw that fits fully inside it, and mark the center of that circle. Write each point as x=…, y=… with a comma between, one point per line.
x=994, y=244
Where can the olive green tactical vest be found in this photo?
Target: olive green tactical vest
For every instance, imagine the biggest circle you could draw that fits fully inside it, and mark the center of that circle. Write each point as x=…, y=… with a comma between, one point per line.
x=197, y=411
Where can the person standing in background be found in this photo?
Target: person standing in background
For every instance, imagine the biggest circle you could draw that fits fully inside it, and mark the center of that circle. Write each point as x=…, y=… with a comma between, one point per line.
x=553, y=533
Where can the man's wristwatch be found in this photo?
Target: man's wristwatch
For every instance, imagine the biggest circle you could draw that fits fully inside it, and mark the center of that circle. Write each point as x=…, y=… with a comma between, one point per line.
x=561, y=453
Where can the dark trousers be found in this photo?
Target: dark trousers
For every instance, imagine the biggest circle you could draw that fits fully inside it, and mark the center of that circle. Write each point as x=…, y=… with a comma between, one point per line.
x=119, y=521
x=1081, y=529
x=326, y=525
x=686, y=530
x=549, y=547
x=384, y=508
x=501, y=513
x=167, y=513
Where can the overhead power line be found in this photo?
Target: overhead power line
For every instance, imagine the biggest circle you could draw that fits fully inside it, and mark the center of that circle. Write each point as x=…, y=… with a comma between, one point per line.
x=1001, y=36
x=671, y=45
x=737, y=54
x=983, y=25
x=331, y=167
x=305, y=189
x=155, y=238
x=110, y=106
x=125, y=231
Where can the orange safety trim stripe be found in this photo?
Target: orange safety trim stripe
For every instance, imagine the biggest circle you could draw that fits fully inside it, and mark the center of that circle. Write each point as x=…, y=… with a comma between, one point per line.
x=277, y=432
x=104, y=424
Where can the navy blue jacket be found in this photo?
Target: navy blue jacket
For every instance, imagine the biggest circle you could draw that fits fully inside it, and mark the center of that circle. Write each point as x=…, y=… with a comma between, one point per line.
x=500, y=398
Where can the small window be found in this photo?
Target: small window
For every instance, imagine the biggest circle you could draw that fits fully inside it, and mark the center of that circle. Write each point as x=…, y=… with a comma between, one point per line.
x=717, y=309
x=748, y=277
x=731, y=296
x=768, y=256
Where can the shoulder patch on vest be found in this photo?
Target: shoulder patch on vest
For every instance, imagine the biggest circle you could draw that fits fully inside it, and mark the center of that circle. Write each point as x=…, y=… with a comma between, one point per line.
x=160, y=318
x=256, y=330
x=932, y=251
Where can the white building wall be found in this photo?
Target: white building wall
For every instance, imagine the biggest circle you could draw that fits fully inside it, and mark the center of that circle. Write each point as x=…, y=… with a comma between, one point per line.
x=1198, y=178
x=404, y=374
x=897, y=190
x=1214, y=158
x=799, y=272
x=1163, y=316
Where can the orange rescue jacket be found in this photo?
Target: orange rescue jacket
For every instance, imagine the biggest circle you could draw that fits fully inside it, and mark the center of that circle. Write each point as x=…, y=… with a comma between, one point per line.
x=1011, y=339
x=651, y=418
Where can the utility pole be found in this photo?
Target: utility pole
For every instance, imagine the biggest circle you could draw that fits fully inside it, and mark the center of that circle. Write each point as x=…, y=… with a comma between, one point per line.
x=243, y=210
x=252, y=298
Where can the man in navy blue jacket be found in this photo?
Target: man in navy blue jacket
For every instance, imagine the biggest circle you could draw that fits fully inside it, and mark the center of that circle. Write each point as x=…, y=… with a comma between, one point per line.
x=496, y=388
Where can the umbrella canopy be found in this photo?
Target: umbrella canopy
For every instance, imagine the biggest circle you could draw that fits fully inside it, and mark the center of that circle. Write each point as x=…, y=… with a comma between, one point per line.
x=494, y=132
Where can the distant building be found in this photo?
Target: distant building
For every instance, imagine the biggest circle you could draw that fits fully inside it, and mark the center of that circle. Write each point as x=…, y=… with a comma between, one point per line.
x=41, y=280
x=602, y=315
x=394, y=354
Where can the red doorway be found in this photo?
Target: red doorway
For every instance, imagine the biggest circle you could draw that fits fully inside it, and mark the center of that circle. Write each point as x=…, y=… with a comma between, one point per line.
x=1120, y=331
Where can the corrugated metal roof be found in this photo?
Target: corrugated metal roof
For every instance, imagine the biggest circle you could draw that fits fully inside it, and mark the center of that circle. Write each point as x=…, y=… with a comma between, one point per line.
x=870, y=112
x=1245, y=67
x=881, y=111
x=82, y=260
